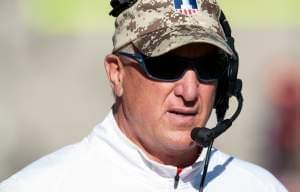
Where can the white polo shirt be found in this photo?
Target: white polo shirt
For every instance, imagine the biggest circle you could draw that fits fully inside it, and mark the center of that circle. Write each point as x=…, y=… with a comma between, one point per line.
x=106, y=160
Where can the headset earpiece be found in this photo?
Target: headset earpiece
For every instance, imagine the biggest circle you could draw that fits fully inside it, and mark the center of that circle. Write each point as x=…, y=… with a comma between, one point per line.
x=227, y=84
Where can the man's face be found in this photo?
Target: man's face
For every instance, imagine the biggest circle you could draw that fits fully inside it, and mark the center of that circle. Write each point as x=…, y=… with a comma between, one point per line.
x=159, y=116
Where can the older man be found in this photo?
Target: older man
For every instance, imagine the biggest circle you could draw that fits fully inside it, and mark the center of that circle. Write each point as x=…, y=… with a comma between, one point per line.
x=171, y=65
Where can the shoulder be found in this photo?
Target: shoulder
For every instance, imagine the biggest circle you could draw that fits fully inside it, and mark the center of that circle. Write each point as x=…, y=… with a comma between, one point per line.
x=242, y=174
x=45, y=173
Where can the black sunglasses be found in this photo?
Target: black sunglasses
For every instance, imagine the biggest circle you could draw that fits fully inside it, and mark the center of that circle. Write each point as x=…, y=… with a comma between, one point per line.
x=169, y=67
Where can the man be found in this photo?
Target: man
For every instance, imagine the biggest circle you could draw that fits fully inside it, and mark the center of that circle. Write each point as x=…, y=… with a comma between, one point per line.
x=165, y=72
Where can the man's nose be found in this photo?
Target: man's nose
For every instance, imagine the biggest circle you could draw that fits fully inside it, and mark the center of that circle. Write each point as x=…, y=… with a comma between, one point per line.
x=187, y=87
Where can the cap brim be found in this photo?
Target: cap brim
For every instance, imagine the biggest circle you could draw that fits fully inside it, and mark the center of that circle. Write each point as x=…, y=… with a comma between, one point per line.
x=166, y=39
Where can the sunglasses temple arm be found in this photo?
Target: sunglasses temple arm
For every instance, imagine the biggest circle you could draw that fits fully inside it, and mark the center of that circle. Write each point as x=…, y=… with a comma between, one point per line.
x=136, y=56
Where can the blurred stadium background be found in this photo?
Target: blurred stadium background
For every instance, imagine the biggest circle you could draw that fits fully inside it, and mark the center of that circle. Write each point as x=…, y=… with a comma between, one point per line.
x=53, y=87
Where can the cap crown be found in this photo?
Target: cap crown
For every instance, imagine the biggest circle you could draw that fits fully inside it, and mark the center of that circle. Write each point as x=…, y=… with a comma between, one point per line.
x=149, y=16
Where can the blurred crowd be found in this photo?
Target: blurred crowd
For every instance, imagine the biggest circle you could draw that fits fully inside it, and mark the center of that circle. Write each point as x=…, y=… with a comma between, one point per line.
x=283, y=93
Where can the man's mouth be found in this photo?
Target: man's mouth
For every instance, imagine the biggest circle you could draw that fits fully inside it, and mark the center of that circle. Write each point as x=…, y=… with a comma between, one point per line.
x=182, y=118
x=183, y=112
x=182, y=115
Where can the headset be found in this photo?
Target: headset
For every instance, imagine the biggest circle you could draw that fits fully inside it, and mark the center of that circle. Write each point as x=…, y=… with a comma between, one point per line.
x=228, y=86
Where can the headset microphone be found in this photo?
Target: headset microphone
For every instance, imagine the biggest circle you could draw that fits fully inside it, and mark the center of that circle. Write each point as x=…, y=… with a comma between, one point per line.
x=205, y=136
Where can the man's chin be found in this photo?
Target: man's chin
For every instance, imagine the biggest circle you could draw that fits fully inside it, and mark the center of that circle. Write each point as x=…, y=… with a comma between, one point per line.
x=181, y=141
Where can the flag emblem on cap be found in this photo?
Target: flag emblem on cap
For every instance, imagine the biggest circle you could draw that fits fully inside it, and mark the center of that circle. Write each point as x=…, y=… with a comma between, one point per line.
x=186, y=7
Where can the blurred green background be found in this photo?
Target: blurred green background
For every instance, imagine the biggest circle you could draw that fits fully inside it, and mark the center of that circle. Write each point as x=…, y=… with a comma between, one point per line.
x=92, y=15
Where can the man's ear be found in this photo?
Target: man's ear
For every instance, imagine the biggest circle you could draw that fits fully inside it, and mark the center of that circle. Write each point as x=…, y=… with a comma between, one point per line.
x=115, y=72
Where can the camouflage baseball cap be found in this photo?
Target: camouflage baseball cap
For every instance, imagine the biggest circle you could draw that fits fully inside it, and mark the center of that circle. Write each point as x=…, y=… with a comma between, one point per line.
x=158, y=26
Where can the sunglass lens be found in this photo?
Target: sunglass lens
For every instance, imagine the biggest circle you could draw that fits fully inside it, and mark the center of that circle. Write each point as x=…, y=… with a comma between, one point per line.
x=171, y=68
x=210, y=68
x=164, y=68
